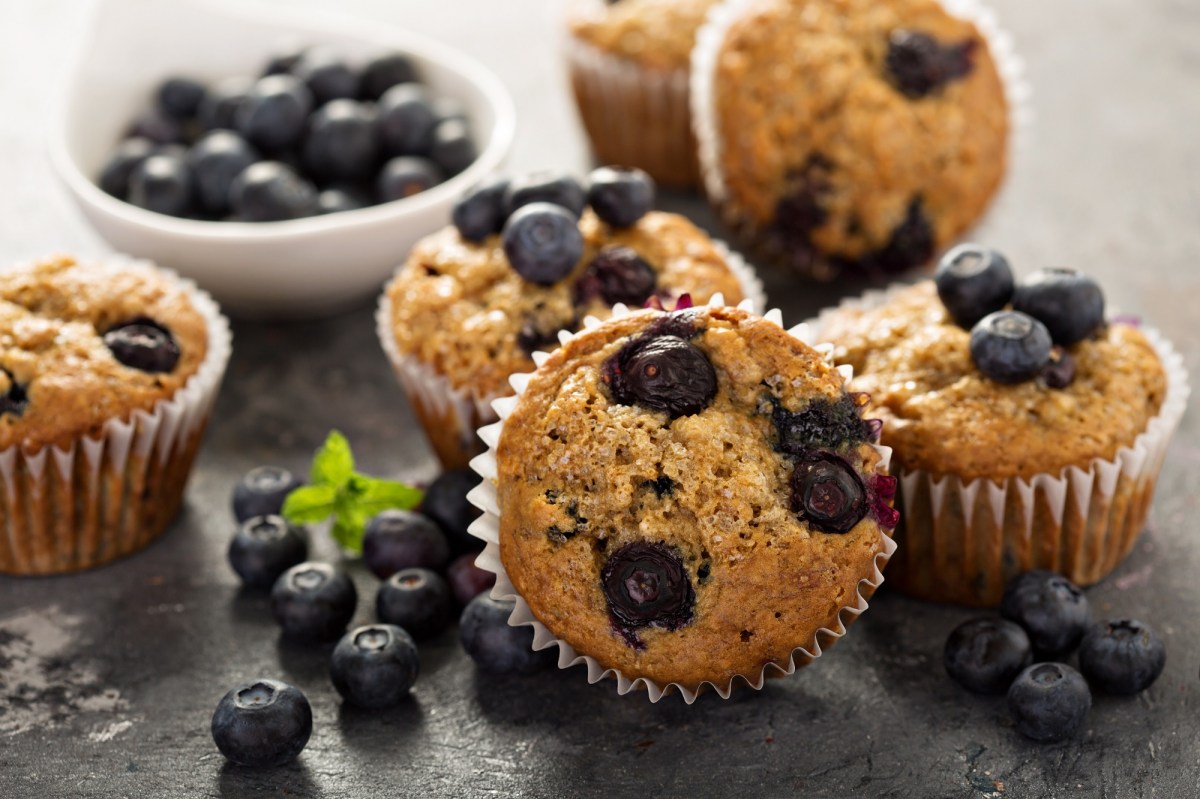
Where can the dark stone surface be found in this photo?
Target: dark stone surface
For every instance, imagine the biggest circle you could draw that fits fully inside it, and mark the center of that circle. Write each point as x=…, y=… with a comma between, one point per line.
x=108, y=679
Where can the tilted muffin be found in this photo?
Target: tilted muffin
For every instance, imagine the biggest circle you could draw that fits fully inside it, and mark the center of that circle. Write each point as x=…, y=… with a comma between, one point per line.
x=848, y=136
x=108, y=372
x=688, y=498
x=459, y=317
x=1016, y=448
x=630, y=62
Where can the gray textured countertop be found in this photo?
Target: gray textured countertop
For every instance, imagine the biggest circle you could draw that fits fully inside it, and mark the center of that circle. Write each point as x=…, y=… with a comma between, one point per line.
x=108, y=679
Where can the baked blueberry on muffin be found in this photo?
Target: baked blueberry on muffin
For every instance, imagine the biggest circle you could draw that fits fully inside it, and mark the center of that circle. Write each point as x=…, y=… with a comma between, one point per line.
x=1027, y=430
x=690, y=497
x=848, y=136
x=525, y=259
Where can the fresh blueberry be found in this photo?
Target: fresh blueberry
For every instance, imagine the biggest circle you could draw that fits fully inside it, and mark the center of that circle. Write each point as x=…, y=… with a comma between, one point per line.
x=972, y=282
x=494, y=645
x=180, y=97
x=480, y=212
x=375, y=666
x=157, y=127
x=417, y=600
x=342, y=198
x=446, y=503
x=1121, y=657
x=645, y=583
x=616, y=274
x=269, y=191
x=1069, y=303
x=467, y=580
x=264, y=548
x=219, y=106
x=114, y=179
x=163, y=184
x=327, y=76
x=827, y=493
x=546, y=186
x=1052, y=609
x=821, y=424
x=663, y=373
x=401, y=539
x=407, y=119
x=405, y=176
x=384, y=71
x=542, y=242
x=452, y=148
x=143, y=344
x=343, y=141
x=986, y=655
x=274, y=114
x=313, y=601
x=1009, y=346
x=284, y=61
x=262, y=723
x=1049, y=701
x=262, y=491
x=218, y=158
x=919, y=65
x=620, y=195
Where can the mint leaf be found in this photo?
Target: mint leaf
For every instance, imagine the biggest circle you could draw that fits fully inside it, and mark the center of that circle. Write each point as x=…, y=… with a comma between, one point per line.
x=377, y=495
x=349, y=526
x=309, y=504
x=333, y=463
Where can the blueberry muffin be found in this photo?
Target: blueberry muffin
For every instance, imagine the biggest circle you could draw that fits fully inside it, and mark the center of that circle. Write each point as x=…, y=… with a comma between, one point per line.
x=107, y=372
x=630, y=63
x=689, y=497
x=849, y=136
x=1027, y=431
x=526, y=259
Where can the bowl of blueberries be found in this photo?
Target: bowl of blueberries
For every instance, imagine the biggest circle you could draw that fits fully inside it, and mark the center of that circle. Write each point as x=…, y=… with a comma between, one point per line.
x=286, y=162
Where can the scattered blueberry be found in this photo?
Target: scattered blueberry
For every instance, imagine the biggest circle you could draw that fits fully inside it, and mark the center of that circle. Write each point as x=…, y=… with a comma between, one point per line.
x=617, y=274
x=400, y=539
x=619, y=195
x=128, y=155
x=663, y=373
x=986, y=655
x=494, y=645
x=452, y=148
x=262, y=491
x=313, y=601
x=417, y=600
x=274, y=113
x=343, y=141
x=919, y=65
x=1121, y=657
x=1049, y=701
x=446, y=503
x=384, y=71
x=215, y=160
x=163, y=184
x=337, y=199
x=326, y=75
x=1009, y=347
x=827, y=493
x=180, y=97
x=270, y=191
x=144, y=345
x=972, y=282
x=1069, y=303
x=375, y=666
x=1059, y=372
x=407, y=119
x=264, y=548
x=157, y=127
x=219, y=106
x=546, y=186
x=467, y=580
x=1052, y=609
x=542, y=242
x=646, y=583
x=406, y=175
x=263, y=723
x=480, y=212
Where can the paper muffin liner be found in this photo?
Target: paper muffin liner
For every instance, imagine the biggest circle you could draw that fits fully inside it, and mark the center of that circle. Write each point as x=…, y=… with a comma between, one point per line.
x=962, y=540
x=99, y=499
x=702, y=98
x=451, y=415
x=487, y=528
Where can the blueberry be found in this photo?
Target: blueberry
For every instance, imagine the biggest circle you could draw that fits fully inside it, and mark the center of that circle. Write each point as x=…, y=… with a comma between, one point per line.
x=452, y=148
x=405, y=176
x=157, y=127
x=1069, y=303
x=114, y=179
x=343, y=141
x=645, y=583
x=269, y=191
x=342, y=198
x=1049, y=701
x=163, y=184
x=542, y=242
x=143, y=344
x=274, y=113
x=480, y=212
x=1009, y=347
x=264, y=548
x=1059, y=372
x=546, y=186
x=827, y=493
x=417, y=600
x=383, y=72
x=986, y=655
x=911, y=244
x=407, y=119
x=1052, y=609
x=972, y=282
x=262, y=491
x=219, y=106
x=663, y=373
x=494, y=645
x=822, y=424
x=218, y=158
x=617, y=274
x=919, y=65
x=620, y=195
x=446, y=503
x=262, y=723
x=313, y=601
x=400, y=539
x=326, y=75
x=375, y=666
x=15, y=398
x=467, y=580
x=284, y=61
x=1121, y=657
x=180, y=97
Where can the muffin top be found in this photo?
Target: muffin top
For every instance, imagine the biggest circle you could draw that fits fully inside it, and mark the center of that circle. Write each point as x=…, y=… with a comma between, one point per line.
x=460, y=307
x=856, y=135
x=688, y=496
x=82, y=343
x=942, y=415
x=658, y=34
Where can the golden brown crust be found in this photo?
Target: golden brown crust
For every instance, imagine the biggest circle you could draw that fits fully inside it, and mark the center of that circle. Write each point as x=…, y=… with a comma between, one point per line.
x=656, y=34
x=569, y=453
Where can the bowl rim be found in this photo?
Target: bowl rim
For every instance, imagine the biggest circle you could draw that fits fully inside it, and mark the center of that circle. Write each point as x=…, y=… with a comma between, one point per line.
x=491, y=155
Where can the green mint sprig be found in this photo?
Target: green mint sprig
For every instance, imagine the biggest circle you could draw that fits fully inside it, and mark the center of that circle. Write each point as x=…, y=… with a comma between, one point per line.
x=335, y=489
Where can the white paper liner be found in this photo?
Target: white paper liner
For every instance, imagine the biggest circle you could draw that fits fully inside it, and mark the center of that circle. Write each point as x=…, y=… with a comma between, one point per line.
x=456, y=413
x=1087, y=518
x=68, y=509
x=722, y=17
x=487, y=528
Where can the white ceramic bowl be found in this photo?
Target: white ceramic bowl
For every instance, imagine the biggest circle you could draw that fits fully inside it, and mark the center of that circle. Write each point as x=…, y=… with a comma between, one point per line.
x=297, y=268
